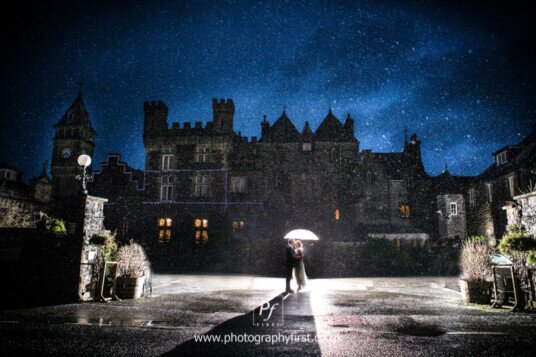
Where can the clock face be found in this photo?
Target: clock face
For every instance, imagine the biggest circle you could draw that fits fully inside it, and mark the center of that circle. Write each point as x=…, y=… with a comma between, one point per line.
x=65, y=153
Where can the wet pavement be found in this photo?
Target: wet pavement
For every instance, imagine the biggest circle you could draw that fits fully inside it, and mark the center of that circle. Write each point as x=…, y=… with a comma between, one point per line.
x=250, y=316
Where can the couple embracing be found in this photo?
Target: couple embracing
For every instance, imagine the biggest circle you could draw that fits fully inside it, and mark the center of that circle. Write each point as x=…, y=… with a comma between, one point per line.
x=295, y=254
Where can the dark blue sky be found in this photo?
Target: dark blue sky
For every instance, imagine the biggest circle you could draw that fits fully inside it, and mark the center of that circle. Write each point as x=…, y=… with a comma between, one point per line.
x=459, y=73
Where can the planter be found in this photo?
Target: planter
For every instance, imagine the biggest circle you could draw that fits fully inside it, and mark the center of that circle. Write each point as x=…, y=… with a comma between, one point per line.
x=476, y=292
x=129, y=288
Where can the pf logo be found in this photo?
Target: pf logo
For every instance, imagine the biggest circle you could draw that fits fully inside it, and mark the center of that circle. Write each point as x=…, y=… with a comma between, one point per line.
x=269, y=314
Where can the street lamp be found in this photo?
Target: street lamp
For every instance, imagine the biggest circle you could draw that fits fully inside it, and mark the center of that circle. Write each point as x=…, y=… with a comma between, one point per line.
x=84, y=161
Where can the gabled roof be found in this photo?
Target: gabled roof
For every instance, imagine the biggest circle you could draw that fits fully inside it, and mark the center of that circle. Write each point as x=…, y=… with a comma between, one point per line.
x=524, y=154
x=446, y=183
x=332, y=130
x=76, y=114
x=283, y=130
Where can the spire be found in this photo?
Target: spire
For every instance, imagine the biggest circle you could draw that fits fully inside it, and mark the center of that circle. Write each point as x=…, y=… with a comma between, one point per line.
x=77, y=113
x=307, y=133
x=446, y=168
x=405, y=135
x=80, y=85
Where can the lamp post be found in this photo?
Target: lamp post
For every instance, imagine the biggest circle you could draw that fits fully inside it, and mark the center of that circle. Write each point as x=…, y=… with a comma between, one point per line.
x=84, y=161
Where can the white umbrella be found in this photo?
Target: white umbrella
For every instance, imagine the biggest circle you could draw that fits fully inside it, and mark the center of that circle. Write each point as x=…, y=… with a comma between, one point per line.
x=301, y=234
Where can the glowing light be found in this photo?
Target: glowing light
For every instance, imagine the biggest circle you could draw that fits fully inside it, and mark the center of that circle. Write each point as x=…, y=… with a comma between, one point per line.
x=337, y=214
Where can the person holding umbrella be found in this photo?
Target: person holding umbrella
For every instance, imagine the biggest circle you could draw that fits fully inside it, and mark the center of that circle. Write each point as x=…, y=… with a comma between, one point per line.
x=292, y=261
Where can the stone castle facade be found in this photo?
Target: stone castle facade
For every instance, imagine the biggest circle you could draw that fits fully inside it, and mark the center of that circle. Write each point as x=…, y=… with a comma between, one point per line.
x=203, y=186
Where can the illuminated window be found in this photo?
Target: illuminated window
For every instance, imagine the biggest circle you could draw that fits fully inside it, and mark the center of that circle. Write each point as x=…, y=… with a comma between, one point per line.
x=307, y=147
x=453, y=208
x=164, y=230
x=201, y=230
x=238, y=226
x=337, y=214
x=404, y=211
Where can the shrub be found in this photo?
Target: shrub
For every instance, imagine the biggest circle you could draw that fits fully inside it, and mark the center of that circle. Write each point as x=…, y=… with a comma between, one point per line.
x=106, y=242
x=517, y=244
x=132, y=260
x=54, y=226
x=475, y=261
x=520, y=247
x=16, y=217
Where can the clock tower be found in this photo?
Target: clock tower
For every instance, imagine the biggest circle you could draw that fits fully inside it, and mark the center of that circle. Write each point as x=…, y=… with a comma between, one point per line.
x=74, y=136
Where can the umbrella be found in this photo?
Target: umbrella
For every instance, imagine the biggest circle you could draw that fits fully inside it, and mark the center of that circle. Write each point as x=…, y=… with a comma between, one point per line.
x=301, y=234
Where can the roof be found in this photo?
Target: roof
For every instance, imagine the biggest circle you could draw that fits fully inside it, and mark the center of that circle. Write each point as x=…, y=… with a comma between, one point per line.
x=283, y=131
x=524, y=155
x=447, y=183
x=332, y=130
x=76, y=114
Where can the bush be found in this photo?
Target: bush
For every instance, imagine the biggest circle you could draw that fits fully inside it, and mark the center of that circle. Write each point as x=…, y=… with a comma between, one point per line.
x=132, y=260
x=517, y=244
x=54, y=226
x=520, y=247
x=475, y=261
x=107, y=244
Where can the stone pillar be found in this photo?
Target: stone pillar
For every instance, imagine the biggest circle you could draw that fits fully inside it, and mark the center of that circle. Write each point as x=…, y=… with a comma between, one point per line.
x=527, y=218
x=89, y=221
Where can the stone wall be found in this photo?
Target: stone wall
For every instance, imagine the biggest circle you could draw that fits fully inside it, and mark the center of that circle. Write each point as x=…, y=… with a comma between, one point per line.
x=527, y=214
x=90, y=223
x=451, y=225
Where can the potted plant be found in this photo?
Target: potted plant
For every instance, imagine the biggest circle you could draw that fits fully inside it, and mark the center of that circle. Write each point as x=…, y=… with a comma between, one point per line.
x=476, y=273
x=520, y=247
x=133, y=268
x=107, y=245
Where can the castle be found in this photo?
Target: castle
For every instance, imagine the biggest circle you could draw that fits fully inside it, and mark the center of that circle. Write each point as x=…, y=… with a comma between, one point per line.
x=206, y=185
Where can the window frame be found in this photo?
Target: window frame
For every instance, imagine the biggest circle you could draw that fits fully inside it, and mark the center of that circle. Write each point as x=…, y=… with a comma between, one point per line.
x=454, y=212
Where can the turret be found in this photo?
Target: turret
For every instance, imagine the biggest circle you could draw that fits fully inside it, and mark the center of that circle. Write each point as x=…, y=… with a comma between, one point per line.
x=349, y=126
x=223, y=112
x=412, y=150
x=265, y=127
x=155, y=119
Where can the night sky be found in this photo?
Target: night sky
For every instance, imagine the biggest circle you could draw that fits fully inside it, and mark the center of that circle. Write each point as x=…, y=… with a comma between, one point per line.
x=459, y=73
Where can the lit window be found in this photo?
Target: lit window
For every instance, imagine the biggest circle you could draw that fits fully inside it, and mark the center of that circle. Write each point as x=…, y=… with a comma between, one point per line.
x=337, y=214
x=307, y=147
x=404, y=211
x=167, y=160
x=489, y=192
x=201, y=230
x=453, y=209
x=238, y=225
x=164, y=230
x=471, y=196
x=238, y=184
x=511, y=186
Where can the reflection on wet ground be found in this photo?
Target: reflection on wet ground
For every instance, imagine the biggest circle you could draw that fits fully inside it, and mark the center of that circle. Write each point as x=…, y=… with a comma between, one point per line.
x=371, y=316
